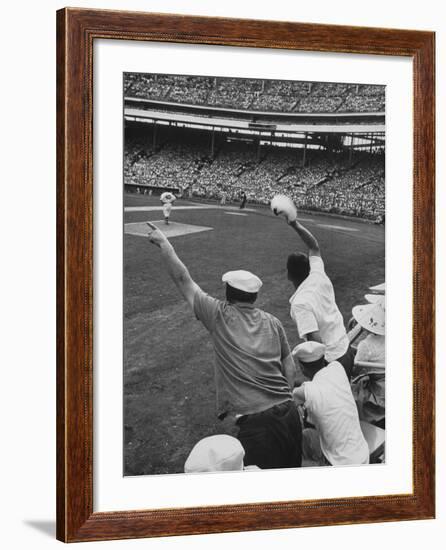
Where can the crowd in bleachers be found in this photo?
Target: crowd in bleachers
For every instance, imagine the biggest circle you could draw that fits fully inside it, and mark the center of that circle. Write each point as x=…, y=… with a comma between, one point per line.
x=257, y=95
x=332, y=183
x=358, y=190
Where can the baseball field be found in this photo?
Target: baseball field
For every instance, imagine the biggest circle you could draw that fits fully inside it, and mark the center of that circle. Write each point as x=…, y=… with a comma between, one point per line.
x=169, y=394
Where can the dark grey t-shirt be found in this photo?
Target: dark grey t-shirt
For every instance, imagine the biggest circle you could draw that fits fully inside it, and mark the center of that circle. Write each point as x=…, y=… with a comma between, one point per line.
x=250, y=346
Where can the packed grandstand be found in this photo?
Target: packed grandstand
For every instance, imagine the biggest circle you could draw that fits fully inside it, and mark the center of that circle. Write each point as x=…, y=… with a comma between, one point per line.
x=320, y=171
x=257, y=95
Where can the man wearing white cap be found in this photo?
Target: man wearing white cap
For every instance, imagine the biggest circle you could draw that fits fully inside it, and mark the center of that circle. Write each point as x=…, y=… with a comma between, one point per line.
x=331, y=408
x=216, y=453
x=313, y=304
x=254, y=369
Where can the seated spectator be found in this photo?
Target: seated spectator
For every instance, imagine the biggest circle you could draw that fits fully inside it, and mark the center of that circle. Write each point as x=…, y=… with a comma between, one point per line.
x=337, y=438
x=369, y=384
x=371, y=317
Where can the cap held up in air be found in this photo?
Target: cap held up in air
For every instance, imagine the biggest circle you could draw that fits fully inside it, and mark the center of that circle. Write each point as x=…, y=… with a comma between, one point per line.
x=242, y=280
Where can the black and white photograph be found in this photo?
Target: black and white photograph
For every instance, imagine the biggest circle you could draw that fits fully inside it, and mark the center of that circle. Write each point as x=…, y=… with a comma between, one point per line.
x=254, y=273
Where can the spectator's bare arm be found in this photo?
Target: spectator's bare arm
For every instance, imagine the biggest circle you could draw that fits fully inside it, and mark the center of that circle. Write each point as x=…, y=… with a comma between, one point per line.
x=307, y=237
x=175, y=267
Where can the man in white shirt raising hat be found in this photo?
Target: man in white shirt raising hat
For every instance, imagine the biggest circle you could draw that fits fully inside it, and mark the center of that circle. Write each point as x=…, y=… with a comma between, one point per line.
x=313, y=305
x=331, y=408
x=254, y=369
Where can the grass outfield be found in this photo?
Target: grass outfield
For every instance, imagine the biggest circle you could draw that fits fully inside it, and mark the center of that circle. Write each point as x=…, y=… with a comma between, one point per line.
x=169, y=394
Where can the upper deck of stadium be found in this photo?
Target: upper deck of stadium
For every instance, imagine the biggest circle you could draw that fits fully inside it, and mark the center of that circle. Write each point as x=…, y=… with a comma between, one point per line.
x=258, y=99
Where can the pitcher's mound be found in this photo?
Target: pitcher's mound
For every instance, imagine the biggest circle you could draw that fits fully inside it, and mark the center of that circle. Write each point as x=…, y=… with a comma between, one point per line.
x=173, y=229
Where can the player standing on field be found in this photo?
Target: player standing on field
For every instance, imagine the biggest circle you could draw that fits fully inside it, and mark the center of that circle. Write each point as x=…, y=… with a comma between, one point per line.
x=167, y=199
x=243, y=199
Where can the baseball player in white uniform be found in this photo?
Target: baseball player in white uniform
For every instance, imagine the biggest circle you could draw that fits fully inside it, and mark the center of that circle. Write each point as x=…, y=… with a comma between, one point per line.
x=167, y=198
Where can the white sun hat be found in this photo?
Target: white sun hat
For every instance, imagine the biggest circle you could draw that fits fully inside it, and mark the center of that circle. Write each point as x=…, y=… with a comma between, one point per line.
x=372, y=317
x=217, y=453
x=307, y=352
x=242, y=280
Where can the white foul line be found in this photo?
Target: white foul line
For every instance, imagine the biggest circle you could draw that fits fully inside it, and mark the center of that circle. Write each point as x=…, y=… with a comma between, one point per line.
x=337, y=227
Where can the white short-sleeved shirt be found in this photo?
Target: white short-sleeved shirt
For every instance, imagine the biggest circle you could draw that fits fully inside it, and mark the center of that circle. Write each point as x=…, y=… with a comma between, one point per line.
x=332, y=409
x=313, y=308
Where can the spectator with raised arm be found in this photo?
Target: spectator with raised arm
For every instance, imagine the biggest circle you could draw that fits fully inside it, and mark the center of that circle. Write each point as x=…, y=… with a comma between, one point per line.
x=313, y=305
x=254, y=369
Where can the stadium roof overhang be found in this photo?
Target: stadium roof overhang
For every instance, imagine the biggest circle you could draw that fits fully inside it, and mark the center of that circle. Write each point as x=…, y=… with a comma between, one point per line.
x=254, y=115
x=266, y=130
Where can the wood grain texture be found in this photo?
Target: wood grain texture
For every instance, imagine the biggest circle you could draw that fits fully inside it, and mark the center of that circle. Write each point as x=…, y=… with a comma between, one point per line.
x=76, y=31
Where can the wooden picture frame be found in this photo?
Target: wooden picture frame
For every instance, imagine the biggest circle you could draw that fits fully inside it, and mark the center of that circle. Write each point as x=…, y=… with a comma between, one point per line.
x=77, y=29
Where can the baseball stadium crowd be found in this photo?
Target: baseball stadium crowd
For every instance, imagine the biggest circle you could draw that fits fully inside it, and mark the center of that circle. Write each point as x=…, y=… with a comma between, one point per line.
x=257, y=95
x=328, y=183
